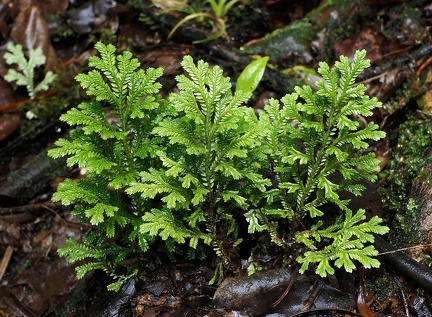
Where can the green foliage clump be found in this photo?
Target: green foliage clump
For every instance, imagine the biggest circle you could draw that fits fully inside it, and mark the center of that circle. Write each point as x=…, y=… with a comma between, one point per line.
x=25, y=77
x=312, y=142
x=113, y=150
x=189, y=169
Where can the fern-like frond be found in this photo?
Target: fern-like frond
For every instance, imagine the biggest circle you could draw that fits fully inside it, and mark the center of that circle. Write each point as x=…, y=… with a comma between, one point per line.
x=348, y=238
x=180, y=168
x=233, y=195
x=83, y=153
x=350, y=71
x=69, y=192
x=97, y=86
x=356, y=138
x=252, y=217
x=82, y=270
x=75, y=251
x=179, y=132
x=163, y=223
x=156, y=182
x=98, y=213
x=139, y=86
x=174, y=167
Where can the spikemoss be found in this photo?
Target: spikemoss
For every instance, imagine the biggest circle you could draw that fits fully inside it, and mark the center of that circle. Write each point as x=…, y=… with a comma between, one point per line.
x=183, y=170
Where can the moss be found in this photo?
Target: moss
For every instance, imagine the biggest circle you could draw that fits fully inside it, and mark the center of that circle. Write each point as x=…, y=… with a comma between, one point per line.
x=76, y=302
x=410, y=153
x=292, y=39
x=347, y=19
x=404, y=23
x=382, y=286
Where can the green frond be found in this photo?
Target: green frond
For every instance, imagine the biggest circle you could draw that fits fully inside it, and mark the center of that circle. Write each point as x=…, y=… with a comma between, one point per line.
x=368, y=163
x=312, y=125
x=356, y=138
x=179, y=132
x=143, y=239
x=296, y=155
x=186, y=102
x=163, y=223
x=292, y=187
x=290, y=107
x=98, y=213
x=228, y=108
x=345, y=122
x=15, y=55
x=82, y=270
x=116, y=69
x=189, y=179
x=174, y=168
x=75, y=251
x=122, y=180
x=350, y=71
x=340, y=155
x=140, y=85
x=228, y=170
x=313, y=210
x=174, y=199
x=120, y=280
x=278, y=213
x=96, y=86
x=349, y=236
x=242, y=144
x=21, y=80
x=329, y=87
x=84, y=154
x=156, y=182
x=323, y=261
x=228, y=195
x=93, y=119
x=257, y=180
x=195, y=218
x=69, y=192
x=45, y=83
x=253, y=222
x=310, y=107
x=199, y=195
x=151, y=189
x=330, y=189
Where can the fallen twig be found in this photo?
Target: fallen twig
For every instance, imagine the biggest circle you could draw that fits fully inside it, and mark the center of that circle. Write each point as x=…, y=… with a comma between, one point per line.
x=411, y=269
x=5, y=261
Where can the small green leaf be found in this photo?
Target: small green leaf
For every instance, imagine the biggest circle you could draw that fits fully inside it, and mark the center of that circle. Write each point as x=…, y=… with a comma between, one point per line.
x=251, y=76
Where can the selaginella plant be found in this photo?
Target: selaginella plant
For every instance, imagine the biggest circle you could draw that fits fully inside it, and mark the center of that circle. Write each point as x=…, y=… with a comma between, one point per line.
x=314, y=141
x=113, y=143
x=186, y=169
x=26, y=74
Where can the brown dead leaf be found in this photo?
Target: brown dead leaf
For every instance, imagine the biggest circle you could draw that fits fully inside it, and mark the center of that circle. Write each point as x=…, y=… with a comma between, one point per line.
x=30, y=29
